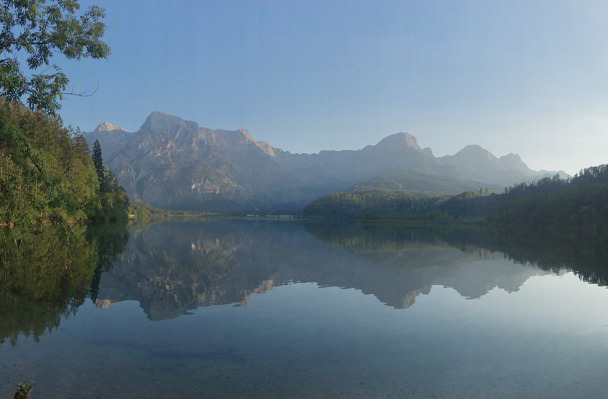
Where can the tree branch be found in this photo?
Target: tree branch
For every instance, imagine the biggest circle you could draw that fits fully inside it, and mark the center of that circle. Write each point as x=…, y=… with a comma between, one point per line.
x=83, y=93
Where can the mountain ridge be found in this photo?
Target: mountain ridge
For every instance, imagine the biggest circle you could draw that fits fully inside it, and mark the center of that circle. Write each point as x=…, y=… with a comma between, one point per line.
x=176, y=164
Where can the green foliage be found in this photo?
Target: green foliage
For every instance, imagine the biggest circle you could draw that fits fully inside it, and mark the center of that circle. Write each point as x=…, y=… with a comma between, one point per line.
x=141, y=211
x=113, y=202
x=98, y=162
x=417, y=182
x=580, y=204
x=35, y=30
x=47, y=174
x=357, y=205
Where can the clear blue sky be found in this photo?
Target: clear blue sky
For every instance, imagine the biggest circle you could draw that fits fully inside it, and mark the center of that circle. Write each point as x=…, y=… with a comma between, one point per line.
x=529, y=77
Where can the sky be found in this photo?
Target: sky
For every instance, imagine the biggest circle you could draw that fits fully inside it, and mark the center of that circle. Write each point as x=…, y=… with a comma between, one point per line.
x=528, y=77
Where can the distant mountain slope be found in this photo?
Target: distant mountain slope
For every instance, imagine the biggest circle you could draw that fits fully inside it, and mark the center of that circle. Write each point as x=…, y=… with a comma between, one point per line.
x=479, y=164
x=416, y=182
x=175, y=164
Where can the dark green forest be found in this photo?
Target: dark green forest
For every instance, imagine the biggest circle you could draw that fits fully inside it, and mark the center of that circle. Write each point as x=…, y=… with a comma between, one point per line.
x=376, y=203
x=578, y=203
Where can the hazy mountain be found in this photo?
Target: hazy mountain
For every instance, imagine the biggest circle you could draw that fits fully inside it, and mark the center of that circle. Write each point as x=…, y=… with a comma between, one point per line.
x=421, y=183
x=478, y=164
x=175, y=164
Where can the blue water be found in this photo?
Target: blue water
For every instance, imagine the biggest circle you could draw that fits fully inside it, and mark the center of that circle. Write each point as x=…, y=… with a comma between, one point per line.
x=254, y=309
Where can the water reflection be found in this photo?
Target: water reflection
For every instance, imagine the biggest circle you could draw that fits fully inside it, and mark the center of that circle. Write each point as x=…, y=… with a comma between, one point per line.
x=172, y=268
x=45, y=275
x=295, y=320
x=175, y=267
x=550, y=250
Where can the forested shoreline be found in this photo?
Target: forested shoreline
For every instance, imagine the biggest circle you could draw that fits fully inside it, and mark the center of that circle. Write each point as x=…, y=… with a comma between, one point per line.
x=579, y=203
x=48, y=175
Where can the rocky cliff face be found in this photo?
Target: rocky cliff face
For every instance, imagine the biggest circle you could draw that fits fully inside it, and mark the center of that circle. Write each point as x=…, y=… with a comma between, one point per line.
x=175, y=164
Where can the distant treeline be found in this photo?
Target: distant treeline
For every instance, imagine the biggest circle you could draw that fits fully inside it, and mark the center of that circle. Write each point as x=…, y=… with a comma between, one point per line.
x=376, y=203
x=47, y=173
x=578, y=202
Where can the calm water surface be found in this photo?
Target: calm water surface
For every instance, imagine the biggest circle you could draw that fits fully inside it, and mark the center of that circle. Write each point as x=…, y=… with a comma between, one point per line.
x=291, y=309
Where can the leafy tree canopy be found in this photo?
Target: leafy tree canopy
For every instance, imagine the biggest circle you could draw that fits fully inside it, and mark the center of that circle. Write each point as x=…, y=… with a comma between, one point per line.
x=36, y=30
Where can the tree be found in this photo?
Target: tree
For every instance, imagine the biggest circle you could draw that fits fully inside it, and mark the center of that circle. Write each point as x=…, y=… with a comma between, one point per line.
x=35, y=30
x=46, y=171
x=98, y=161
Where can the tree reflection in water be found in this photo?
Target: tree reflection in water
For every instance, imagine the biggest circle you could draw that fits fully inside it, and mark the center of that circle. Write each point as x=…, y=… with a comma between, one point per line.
x=45, y=275
x=171, y=268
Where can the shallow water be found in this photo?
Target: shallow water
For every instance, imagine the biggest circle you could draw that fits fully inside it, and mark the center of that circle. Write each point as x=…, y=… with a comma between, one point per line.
x=289, y=309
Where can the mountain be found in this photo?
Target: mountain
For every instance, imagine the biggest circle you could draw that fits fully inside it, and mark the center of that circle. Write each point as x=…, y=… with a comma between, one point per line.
x=478, y=164
x=107, y=127
x=111, y=137
x=175, y=164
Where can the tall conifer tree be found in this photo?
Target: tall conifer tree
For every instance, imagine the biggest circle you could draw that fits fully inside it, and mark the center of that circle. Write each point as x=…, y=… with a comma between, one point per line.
x=98, y=161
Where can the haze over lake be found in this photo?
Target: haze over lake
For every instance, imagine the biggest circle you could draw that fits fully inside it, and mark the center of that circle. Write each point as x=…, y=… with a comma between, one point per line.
x=253, y=308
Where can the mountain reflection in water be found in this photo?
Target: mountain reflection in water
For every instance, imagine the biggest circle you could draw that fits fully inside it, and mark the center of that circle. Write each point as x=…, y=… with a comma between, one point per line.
x=171, y=268
x=174, y=267
x=309, y=310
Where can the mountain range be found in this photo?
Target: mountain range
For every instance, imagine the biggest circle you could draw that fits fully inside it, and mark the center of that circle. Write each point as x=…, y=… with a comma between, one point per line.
x=172, y=163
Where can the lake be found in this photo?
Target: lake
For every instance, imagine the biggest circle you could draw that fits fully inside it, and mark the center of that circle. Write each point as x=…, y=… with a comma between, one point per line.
x=258, y=308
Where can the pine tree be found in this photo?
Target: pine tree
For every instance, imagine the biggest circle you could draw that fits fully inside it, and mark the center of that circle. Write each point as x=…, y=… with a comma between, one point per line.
x=98, y=161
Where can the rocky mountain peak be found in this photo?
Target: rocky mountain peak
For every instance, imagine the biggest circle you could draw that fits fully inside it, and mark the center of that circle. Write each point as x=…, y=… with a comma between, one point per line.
x=247, y=134
x=514, y=162
x=474, y=151
x=107, y=127
x=236, y=136
x=399, y=140
x=160, y=122
x=511, y=158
